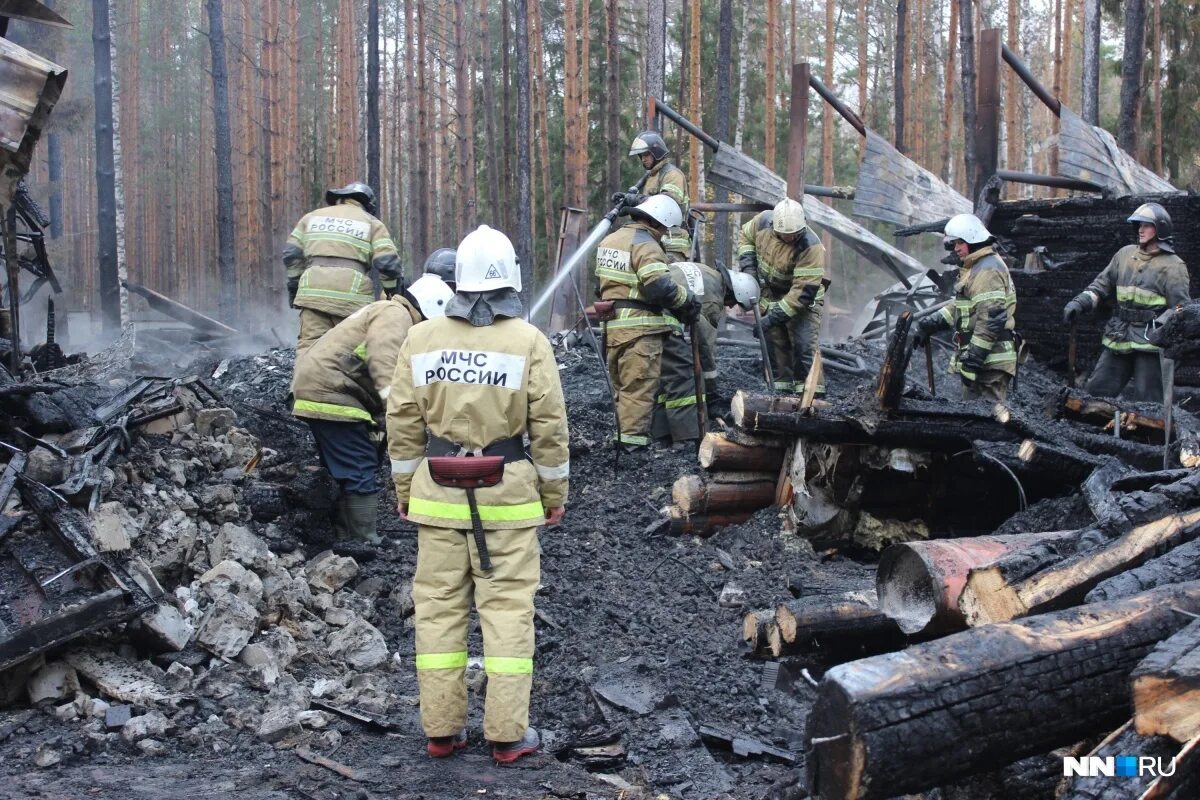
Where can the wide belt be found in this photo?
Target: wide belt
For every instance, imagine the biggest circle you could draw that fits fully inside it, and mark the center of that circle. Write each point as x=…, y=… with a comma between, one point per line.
x=337, y=261
x=512, y=449
x=621, y=305
x=1137, y=316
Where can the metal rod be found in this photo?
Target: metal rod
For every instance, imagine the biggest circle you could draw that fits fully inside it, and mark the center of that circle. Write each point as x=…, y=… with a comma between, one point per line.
x=854, y=119
x=1043, y=94
x=1048, y=180
x=685, y=123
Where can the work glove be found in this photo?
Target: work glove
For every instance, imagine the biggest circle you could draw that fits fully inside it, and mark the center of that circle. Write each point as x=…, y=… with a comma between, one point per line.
x=974, y=359
x=689, y=310
x=776, y=315
x=1073, y=309
x=293, y=286
x=627, y=198
x=808, y=295
x=748, y=263
x=925, y=328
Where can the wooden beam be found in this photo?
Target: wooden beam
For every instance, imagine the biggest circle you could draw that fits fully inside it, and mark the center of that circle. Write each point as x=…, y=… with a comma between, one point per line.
x=798, y=130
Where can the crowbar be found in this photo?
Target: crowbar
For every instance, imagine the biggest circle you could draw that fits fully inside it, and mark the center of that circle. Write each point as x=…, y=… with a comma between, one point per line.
x=929, y=366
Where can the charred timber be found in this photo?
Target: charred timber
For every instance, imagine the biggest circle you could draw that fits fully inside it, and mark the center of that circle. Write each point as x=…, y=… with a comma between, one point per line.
x=991, y=595
x=718, y=453
x=919, y=583
x=1180, y=336
x=685, y=524
x=695, y=495
x=1176, y=566
x=1123, y=741
x=755, y=632
x=838, y=625
x=908, y=721
x=1166, y=688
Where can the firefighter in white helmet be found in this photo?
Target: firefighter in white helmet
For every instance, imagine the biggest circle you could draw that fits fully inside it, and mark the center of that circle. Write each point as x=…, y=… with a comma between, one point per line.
x=341, y=384
x=982, y=316
x=641, y=307
x=468, y=389
x=779, y=250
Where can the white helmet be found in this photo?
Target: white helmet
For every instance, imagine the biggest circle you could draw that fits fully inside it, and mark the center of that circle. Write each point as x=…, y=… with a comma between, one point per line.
x=659, y=208
x=966, y=227
x=745, y=289
x=788, y=216
x=486, y=261
x=431, y=295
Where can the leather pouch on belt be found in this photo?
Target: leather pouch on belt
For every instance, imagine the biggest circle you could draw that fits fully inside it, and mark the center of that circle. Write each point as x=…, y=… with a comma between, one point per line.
x=606, y=310
x=466, y=472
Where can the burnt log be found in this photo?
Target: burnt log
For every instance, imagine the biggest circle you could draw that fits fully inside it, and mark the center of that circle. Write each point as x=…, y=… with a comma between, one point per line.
x=1125, y=740
x=919, y=583
x=1166, y=688
x=935, y=712
x=895, y=364
x=840, y=624
x=1180, y=336
x=685, y=524
x=695, y=495
x=717, y=452
x=1176, y=566
x=993, y=595
x=755, y=631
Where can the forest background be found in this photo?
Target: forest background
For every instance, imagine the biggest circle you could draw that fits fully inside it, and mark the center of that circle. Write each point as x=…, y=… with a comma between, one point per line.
x=452, y=153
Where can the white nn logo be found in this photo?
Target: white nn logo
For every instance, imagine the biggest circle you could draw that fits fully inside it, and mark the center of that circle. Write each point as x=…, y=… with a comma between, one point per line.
x=492, y=272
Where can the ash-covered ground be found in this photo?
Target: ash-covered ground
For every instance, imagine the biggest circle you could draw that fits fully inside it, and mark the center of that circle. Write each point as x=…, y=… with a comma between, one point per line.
x=635, y=652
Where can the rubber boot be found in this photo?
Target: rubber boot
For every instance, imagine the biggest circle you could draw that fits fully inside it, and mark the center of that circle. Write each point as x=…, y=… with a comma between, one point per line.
x=341, y=521
x=446, y=746
x=508, y=752
x=362, y=511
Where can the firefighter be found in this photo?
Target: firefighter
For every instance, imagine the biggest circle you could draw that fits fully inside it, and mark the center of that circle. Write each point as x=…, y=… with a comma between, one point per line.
x=982, y=316
x=329, y=255
x=708, y=284
x=646, y=307
x=1141, y=282
x=441, y=263
x=474, y=383
x=782, y=253
x=664, y=178
x=341, y=386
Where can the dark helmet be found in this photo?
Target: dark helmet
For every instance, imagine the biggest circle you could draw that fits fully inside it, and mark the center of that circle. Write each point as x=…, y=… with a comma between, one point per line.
x=649, y=142
x=441, y=263
x=353, y=191
x=1156, y=215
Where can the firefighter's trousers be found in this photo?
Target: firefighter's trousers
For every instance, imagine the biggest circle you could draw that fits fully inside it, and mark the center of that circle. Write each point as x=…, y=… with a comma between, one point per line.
x=313, y=325
x=447, y=578
x=1114, y=370
x=675, y=406
x=793, y=346
x=990, y=384
x=634, y=366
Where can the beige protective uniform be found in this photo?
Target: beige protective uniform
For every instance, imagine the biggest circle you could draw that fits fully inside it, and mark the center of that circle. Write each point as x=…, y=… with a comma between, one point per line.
x=666, y=178
x=788, y=273
x=983, y=316
x=330, y=252
x=632, y=270
x=476, y=386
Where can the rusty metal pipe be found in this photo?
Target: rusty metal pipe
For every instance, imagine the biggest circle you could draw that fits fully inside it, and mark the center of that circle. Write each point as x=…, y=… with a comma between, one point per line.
x=1019, y=67
x=685, y=123
x=854, y=119
x=919, y=583
x=1054, y=181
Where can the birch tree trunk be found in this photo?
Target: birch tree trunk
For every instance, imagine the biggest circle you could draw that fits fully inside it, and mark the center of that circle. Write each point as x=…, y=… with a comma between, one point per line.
x=966, y=43
x=827, y=110
x=769, y=95
x=1091, y=62
x=655, y=47
x=739, y=121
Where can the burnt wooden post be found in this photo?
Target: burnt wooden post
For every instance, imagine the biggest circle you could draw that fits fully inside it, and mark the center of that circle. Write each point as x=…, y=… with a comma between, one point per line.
x=798, y=131
x=13, y=268
x=987, y=121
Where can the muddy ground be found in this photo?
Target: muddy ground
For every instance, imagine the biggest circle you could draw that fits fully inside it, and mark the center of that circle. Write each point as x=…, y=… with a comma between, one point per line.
x=626, y=611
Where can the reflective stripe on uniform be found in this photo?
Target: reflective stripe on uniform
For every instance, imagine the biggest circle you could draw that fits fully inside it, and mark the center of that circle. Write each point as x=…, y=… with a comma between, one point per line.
x=350, y=412
x=617, y=276
x=644, y=322
x=632, y=438
x=553, y=473
x=1125, y=347
x=461, y=512
x=1140, y=296
x=455, y=660
x=507, y=665
x=405, y=467
x=361, y=351
x=677, y=402
x=983, y=344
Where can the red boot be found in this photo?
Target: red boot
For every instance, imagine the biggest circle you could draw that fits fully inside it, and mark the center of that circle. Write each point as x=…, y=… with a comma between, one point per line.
x=508, y=752
x=446, y=746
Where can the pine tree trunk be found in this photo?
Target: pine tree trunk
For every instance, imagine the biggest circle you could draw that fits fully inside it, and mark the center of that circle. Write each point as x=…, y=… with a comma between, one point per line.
x=1068, y=36
x=584, y=105
x=373, y=171
x=538, y=78
x=1012, y=155
x=570, y=107
x=948, y=97
x=119, y=194
x=524, y=232
x=612, y=98
x=900, y=74
x=220, y=82
x=1091, y=61
x=861, y=36
x=1131, y=75
x=695, y=153
x=506, y=70
x=721, y=239
x=1056, y=89
x=1158, y=115
x=106, y=200
x=425, y=138
x=827, y=115
x=655, y=47
x=769, y=95
x=465, y=112
x=129, y=135
x=966, y=43
x=492, y=151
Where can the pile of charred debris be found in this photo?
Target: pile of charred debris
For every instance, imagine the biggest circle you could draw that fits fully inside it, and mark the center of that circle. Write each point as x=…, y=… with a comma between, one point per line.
x=885, y=593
